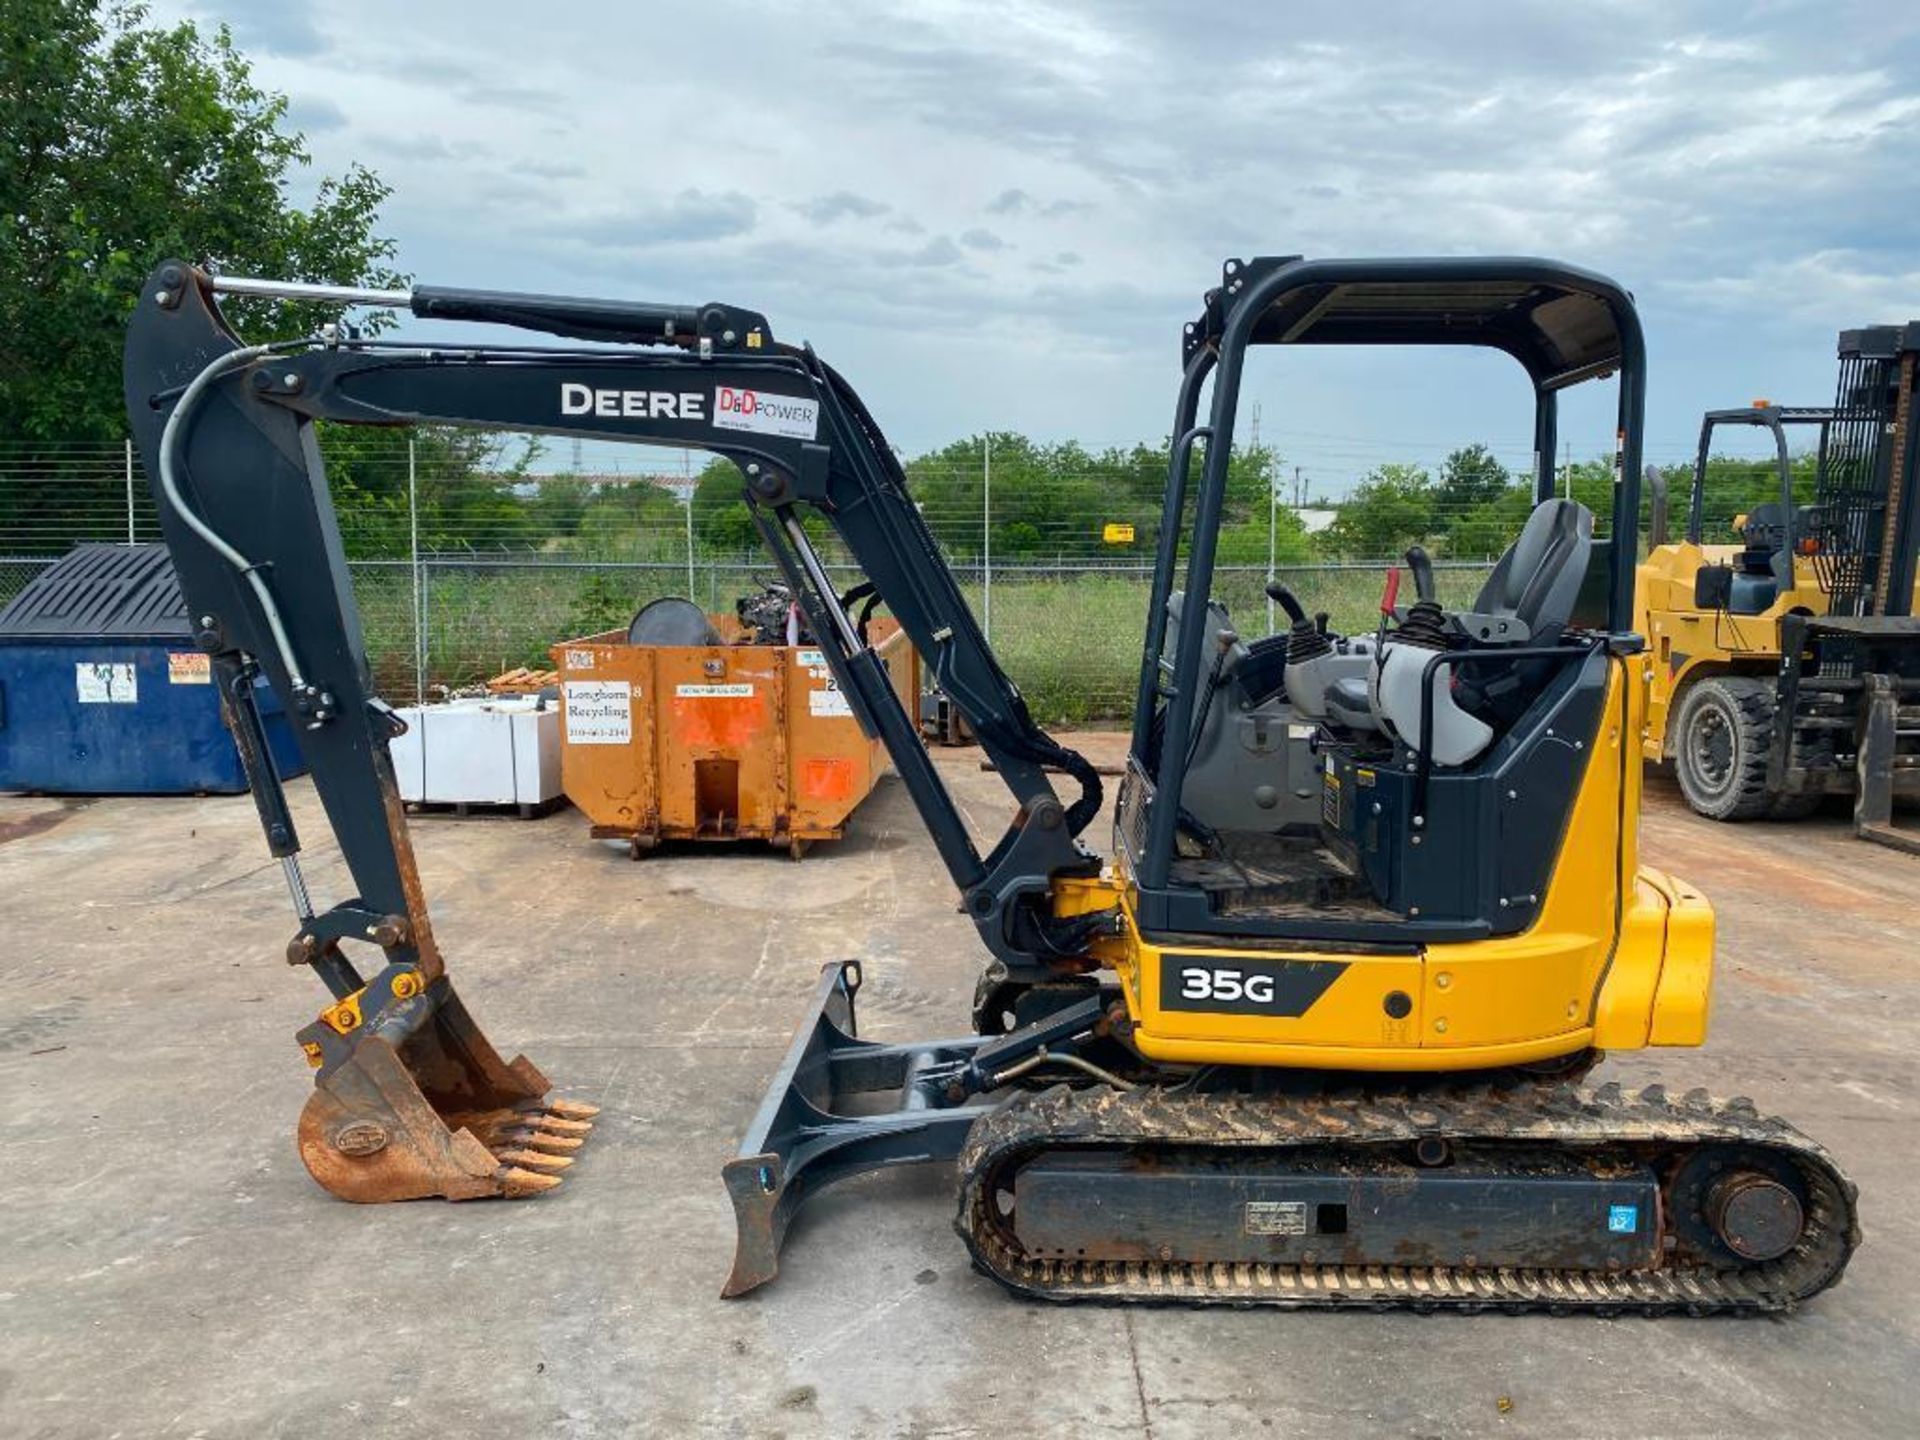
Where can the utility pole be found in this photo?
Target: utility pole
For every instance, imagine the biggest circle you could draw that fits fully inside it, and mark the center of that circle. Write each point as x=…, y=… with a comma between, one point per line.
x=419, y=599
x=1273, y=504
x=686, y=488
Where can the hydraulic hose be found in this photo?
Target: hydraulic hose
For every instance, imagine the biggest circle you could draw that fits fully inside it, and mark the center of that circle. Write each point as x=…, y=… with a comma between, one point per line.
x=170, y=439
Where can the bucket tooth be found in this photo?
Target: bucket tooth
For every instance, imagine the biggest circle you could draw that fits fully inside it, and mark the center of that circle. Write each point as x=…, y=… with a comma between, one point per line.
x=555, y=1125
x=572, y=1109
x=534, y=1160
x=555, y=1144
x=517, y=1184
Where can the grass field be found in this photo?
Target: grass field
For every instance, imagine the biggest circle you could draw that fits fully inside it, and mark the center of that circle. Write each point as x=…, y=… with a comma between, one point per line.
x=1070, y=641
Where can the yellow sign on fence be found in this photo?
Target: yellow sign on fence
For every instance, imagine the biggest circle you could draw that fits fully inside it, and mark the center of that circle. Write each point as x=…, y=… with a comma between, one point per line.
x=1117, y=534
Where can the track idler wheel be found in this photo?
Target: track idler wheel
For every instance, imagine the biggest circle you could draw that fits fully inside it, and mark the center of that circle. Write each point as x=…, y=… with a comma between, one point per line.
x=1754, y=1215
x=438, y=1113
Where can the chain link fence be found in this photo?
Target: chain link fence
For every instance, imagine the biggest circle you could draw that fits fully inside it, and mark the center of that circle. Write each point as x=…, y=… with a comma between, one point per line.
x=468, y=563
x=1068, y=635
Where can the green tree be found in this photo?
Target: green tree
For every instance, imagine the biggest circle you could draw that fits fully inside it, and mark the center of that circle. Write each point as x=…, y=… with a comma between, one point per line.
x=1485, y=531
x=1246, y=543
x=637, y=519
x=1388, y=511
x=721, y=519
x=123, y=143
x=555, y=506
x=466, y=485
x=1056, y=501
x=1591, y=483
x=1469, y=478
x=1732, y=487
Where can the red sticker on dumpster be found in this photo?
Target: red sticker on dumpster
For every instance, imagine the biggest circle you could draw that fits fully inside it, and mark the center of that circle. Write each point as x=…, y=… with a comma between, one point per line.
x=826, y=778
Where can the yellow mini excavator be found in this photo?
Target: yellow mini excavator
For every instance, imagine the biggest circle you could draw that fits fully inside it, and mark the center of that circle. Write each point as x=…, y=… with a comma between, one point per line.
x=1786, y=668
x=1313, y=1036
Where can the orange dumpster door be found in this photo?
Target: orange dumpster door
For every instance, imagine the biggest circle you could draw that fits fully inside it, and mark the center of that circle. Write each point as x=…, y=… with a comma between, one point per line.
x=722, y=765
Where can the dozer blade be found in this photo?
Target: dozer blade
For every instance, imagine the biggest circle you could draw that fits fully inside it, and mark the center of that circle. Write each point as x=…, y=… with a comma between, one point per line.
x=420, y=1104
x=838, y=1106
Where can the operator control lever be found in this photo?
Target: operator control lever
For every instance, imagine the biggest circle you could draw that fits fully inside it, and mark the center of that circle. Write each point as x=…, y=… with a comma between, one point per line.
x=1420, y=566
x=1425, y=623
x=1307, y=639
x=1284, y=598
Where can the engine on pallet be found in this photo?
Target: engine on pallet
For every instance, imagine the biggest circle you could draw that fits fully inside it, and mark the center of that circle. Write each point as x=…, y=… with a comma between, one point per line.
x=772, y=617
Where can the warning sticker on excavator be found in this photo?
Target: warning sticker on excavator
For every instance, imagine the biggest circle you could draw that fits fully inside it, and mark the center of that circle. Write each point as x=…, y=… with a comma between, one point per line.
x=1276, y=1217
x=598, y=712
x=765, y=413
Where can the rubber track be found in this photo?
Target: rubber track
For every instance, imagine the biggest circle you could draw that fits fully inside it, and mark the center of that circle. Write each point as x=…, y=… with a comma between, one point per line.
x=1579, y=1119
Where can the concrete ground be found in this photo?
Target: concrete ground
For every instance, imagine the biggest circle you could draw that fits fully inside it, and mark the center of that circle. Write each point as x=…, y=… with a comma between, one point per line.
x=168, y=1269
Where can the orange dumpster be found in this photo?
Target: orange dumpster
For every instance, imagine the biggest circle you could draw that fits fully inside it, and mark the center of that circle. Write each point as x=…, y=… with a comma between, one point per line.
x=733, y=741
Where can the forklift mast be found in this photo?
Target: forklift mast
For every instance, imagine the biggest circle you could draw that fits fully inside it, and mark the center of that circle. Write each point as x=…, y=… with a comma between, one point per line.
x=1870, y=476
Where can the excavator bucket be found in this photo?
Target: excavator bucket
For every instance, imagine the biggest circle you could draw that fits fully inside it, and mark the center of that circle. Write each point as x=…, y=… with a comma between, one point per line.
x=418, y=1103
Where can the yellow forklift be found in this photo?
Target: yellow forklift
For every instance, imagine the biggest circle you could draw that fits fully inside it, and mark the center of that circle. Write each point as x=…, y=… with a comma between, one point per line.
x=1787, y=666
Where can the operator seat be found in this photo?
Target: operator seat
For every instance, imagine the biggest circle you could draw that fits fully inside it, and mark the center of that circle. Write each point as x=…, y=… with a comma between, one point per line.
x=1538, y=580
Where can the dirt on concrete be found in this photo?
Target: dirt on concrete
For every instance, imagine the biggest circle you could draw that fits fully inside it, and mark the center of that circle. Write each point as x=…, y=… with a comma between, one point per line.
x=169, y=1269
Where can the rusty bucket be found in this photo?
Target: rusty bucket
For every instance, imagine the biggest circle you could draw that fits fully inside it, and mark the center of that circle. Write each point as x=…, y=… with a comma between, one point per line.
x=411, y=1101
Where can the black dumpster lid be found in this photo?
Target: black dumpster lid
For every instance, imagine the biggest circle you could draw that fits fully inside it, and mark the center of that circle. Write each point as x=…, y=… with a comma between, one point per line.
x=104, y=590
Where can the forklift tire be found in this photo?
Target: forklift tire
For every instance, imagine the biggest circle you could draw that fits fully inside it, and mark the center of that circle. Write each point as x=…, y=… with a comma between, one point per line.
x=1721, y=736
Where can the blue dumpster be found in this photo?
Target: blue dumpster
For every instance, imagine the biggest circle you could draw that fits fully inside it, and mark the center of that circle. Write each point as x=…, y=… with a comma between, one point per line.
x=103, y=692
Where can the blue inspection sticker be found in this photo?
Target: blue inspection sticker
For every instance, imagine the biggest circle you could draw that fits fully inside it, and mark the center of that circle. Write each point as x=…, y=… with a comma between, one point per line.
x=1623, y=1219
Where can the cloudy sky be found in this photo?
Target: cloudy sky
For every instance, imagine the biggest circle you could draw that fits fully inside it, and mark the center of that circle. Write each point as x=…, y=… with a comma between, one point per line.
x=998, y=215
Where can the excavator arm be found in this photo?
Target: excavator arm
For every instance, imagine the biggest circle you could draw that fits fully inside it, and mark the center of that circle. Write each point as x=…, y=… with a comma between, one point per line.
x=226, y=433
